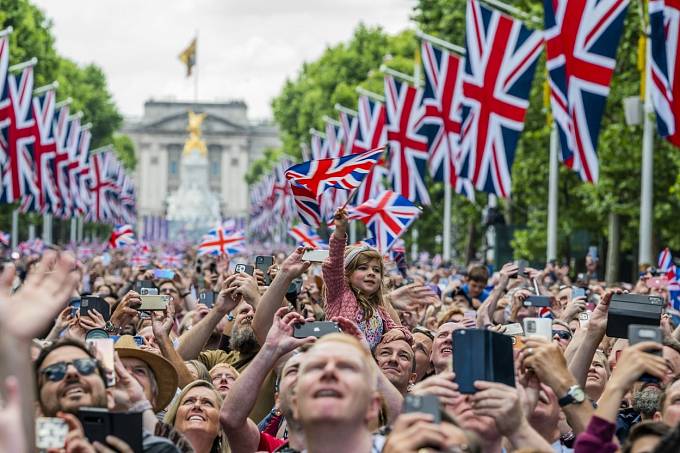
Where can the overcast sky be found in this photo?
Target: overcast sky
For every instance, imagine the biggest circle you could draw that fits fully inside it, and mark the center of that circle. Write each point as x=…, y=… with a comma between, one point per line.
x=246, y=48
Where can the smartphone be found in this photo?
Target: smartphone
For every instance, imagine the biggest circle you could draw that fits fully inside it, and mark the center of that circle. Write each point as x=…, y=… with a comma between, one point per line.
x=145, y=287
x=514, y=329
x=538, y=327
x=293, y=290
x=246, y=268
x=315, y=329
x=88, y=303
x=537, y=301
x=207, y=298
x=154, y=302
x=74, y=303
x=165, y=274
x=521, y=268
x=104, y=351
x=315, y=256
x=98, y=423
x=471, y=314
x=50, y=432
x=263, y=263
x=583, y=319
x=578, y=292
x=482, y=355
x=637, y=333
x=425, y=404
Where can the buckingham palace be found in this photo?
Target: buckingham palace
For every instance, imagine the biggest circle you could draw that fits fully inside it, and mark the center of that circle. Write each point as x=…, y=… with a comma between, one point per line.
x=232, y=140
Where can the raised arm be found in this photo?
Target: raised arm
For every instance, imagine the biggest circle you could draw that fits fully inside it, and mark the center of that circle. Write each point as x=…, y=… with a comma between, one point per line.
x=194, y=340
x=242, y=432
x=333, y=268
x=161, y=325
x=274, y=297
x=488, y=307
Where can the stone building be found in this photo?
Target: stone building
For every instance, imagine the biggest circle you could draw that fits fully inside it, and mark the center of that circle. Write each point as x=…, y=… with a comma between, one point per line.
x=233, y=141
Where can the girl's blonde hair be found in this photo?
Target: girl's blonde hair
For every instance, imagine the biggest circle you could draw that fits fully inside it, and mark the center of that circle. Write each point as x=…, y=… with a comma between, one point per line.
x=354, y=259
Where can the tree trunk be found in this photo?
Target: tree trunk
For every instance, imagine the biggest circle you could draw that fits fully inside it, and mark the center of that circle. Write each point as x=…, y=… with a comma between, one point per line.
x=613, y=248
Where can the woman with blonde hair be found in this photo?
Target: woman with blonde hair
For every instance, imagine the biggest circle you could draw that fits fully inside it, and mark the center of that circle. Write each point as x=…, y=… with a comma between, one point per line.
x=195, y=413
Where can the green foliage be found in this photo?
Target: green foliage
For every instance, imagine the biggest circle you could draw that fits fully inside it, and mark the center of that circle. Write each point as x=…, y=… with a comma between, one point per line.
x=86, y=85
x=263, y=165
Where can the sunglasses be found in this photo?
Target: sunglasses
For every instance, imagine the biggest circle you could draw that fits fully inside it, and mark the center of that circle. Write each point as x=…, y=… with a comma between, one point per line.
x=563, y=334
x=57, y=371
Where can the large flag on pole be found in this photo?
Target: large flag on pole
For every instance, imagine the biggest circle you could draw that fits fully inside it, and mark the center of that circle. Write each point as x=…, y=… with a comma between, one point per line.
x=581, y=41
x=121, y=235
x=442, y=101
x=18, y=173
x=407, y=147
x=664, y=20
x=220, y=242
x=188, y=56
x=371, y=134
x=307, y=237
x=44, y=151
x=500, y=62
x=61, y=160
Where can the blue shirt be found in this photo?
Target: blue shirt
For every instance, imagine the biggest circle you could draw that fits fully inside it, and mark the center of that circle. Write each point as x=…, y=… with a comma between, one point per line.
x=482, y=297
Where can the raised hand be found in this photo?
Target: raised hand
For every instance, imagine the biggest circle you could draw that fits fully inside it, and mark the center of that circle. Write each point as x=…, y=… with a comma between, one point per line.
x=27, y=312
x=280, y=336
x=227, y=299
x=162, y=322
x=340, y=221
x=293, y=266
x=126, y=309
x=11, y=429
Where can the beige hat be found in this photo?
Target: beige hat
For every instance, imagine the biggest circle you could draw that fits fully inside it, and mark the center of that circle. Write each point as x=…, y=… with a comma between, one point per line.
x=164, y=371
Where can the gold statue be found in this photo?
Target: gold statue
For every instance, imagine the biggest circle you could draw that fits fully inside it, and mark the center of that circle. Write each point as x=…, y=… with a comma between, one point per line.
x=195, y=142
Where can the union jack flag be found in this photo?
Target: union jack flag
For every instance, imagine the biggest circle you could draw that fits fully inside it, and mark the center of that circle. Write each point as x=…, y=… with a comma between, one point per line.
x=582, y=37
x=349, y=125
x=219, y=242
x=172, y=260
x=341, y=173
x=386, y=217
x=4, y=238
x=664, y=20
x=501, y=55
x=307, y=205
x=4, y=99
x=441, y=120
x=44, y=151
x=665, y=260
x=139, y=260
x=101, y=184
x=407, y=148
x=319, y=145
x=307, y=237
x=31, y=247
x=61, y=161
x=371, y=134
x=121, y=236
x=18, y=173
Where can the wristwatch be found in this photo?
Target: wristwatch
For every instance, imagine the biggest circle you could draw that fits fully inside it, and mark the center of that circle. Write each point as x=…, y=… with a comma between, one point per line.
x=575, y=394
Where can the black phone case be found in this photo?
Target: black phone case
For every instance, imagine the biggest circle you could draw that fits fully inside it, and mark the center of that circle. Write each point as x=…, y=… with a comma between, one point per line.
x=425, y=404
x=627, y=309
x=315, y=329
x=89, y=302
x=207, y=298
x=482, y=355
x=99, y=423
x=263, y=263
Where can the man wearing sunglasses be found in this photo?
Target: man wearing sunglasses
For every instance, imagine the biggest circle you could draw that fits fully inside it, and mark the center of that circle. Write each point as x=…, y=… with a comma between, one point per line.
x=561, y=334
x=69, y=377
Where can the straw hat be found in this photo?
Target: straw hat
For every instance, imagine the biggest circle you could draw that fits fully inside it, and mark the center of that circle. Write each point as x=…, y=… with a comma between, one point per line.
x=163, y=370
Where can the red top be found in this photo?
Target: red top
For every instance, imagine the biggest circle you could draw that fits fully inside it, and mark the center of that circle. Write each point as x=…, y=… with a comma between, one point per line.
x=269, y=443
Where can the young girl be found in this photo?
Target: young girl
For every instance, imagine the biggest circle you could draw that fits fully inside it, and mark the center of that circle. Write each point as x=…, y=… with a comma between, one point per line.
x=354, y=277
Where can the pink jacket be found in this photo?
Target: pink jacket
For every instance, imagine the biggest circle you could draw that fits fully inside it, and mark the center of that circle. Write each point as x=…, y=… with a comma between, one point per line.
x=340, y=300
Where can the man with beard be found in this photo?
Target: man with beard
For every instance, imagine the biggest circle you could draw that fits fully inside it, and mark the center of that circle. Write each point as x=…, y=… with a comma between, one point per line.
x=243, y=345
x=242, y=432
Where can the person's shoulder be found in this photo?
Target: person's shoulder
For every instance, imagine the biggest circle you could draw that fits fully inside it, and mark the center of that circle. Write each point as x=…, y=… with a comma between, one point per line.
x=212, y=357
x=156, y=444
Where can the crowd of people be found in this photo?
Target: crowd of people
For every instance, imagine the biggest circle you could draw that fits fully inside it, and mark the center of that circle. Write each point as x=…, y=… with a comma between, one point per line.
x=351, y=354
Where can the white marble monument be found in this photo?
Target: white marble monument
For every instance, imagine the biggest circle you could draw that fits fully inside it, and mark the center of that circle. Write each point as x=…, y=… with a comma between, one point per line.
x=193, y=209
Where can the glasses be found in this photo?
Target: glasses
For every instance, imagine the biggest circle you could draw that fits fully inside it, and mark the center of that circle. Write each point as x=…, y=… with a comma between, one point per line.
x=563, y=334
x=57, y=371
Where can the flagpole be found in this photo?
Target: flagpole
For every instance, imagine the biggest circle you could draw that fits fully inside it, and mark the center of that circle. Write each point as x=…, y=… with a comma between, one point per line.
x=551, y=250
x=415, y=80
x=416, y=83
x=47, y=228
x=31, y=231
x=80, y=222
x=646, y=190
x=15, y=228
x=73, y=237
x=440, y=42
x=330, y=120
x=446, y=236
x=343, y=109
x=370, y=94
